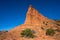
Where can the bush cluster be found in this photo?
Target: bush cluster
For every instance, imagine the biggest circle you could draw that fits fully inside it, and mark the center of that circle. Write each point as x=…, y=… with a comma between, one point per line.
x=50, y=32
x=27, y=33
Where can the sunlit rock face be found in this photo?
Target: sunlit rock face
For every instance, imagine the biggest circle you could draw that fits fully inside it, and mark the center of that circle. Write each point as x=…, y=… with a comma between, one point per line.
x=34, y=21
x=33, y=17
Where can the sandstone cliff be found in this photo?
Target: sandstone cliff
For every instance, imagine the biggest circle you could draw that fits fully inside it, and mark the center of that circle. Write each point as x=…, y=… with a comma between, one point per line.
x=35, y=21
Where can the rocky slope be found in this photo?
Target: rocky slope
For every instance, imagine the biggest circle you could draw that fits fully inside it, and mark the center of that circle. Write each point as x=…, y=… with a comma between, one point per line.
x=35, y=21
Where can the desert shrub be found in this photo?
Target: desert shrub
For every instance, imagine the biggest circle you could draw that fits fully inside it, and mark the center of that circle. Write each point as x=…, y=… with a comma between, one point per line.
x=27, y=33
x=50, y=32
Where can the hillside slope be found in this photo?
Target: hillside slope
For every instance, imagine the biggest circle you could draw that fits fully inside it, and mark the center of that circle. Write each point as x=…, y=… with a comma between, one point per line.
x=36, y=22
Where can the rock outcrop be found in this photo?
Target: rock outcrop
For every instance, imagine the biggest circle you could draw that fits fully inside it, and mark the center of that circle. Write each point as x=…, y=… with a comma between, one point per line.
x=35, y=21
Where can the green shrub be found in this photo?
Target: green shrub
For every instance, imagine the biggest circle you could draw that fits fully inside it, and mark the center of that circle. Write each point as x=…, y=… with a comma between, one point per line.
x=50, y=32
x=27, y=33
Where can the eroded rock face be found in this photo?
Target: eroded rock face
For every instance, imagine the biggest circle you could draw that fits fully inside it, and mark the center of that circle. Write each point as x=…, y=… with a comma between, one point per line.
x=33, y=17
x=35, y=21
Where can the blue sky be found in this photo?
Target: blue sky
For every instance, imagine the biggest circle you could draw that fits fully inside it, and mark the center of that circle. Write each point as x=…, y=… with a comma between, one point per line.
x=13, y=12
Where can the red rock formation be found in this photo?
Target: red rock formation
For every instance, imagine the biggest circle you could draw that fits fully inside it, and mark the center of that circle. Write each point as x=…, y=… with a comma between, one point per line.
x=33, y=17
x=34, y=20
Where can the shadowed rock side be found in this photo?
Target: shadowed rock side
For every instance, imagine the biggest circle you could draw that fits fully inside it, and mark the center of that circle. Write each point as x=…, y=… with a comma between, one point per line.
x=34, y=21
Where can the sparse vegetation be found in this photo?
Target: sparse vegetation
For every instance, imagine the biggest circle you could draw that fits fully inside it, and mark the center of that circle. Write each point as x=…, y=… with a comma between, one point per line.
x=50, y=32
x=27, y=33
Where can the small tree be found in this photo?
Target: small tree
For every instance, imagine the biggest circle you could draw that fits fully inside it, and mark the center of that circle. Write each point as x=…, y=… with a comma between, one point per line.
x=50, y=32
x=27, y=33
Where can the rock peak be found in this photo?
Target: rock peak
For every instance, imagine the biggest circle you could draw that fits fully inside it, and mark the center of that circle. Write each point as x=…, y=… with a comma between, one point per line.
x=33, y=16
x=37, y=23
